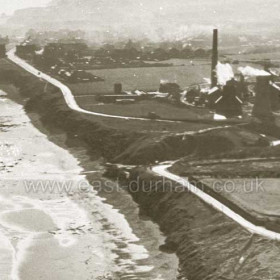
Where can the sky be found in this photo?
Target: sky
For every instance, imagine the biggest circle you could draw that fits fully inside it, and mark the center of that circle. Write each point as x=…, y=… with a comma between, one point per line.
x=9, y=6
x=155, y=17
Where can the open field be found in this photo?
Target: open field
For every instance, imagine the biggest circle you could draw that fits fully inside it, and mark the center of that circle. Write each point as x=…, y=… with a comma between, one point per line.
x=234, y=151
x=145, y=78
x=273, y=56
x=130, y=125
x=258, y=195
x=142, y=109
x=148, y=79
x=232, y=168
x=184, y=72
x=151, y=127
x=7, y=65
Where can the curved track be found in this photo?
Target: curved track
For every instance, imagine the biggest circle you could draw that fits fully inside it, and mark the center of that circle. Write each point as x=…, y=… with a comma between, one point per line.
x=161, y=170
x=67, y=93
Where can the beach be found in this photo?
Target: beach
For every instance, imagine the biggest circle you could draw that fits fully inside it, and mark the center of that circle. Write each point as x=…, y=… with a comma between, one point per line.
x=53, y=225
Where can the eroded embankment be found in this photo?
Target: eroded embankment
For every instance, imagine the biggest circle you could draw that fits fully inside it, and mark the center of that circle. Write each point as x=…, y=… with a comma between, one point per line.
x=209, y=245
x=269, y=222
x=112, y=143
x=128, y=146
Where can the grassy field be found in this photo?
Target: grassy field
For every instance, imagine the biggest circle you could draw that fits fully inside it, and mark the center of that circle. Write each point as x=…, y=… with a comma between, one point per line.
x=274, y=56
x=142, y=109
x=7, y=65
x=260, y=196
x=130, y=125
x=145, y=78
x=150, y=127
x=184, y=72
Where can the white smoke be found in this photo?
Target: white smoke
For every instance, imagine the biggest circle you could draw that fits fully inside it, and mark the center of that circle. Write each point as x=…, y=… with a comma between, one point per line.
x=164, y=82
x=252, y=72
x=224, y=73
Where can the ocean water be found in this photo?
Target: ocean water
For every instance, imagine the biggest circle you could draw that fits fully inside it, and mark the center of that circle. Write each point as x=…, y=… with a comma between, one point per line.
x=53, y=225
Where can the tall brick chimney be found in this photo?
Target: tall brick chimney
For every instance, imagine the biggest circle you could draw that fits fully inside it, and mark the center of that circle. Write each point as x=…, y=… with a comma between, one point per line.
x=263, y=107
x=214, y=78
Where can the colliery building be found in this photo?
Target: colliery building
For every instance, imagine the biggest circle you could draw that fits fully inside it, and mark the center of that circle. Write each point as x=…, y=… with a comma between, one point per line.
x=2, y=50
x=267, y=98
x=61, y=49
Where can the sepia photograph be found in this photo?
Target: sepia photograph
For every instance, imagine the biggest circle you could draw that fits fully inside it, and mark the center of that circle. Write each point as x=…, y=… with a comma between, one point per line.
x=139, y=140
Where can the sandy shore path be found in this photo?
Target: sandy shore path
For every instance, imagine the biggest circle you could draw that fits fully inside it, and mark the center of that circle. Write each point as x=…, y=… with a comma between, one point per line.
x=49, y=227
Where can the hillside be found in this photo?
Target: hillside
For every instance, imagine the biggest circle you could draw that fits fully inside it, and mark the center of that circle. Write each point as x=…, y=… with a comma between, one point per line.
x=156, y=19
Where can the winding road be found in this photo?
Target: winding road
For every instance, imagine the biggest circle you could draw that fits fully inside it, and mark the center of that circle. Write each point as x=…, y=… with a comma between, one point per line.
x=67, y=93
x=160, y=169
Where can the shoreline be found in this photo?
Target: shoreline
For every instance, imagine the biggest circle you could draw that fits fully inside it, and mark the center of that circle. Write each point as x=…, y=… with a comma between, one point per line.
x=165, y=224
x=28, y=218
x=254, y=224
x=191, y=226
x=258, y=219
x=78, y=150
x=60, y=138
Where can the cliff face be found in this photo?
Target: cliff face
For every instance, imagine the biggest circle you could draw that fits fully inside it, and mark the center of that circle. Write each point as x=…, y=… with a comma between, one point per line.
x=209, y=245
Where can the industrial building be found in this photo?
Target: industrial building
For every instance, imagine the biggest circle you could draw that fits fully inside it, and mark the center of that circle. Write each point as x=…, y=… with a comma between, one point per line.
x=263, y=108
x=229, y=104
x=2, y=50
x=267, y=98
x=64, y=49
x=227, y=98
x=120, y=96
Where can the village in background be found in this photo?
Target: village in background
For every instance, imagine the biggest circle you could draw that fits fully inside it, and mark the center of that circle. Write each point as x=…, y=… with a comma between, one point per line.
x=141, y=144
x=230, y=91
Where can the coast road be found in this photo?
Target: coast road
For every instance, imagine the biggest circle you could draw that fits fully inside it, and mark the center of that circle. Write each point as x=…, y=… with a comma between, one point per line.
x=162, y=170
x=67, y=94
x=50, y=228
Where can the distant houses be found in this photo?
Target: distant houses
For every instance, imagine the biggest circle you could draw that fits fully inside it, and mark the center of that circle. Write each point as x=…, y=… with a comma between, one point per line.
x=26, y=50
x=61, y=59
x=66, y=50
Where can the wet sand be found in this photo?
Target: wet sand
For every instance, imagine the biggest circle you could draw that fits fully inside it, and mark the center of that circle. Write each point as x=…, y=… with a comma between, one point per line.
x=41, y=229
x=51, y=227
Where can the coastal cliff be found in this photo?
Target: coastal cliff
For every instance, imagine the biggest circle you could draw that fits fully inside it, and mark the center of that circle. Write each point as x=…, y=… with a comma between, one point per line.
x=208, y=244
